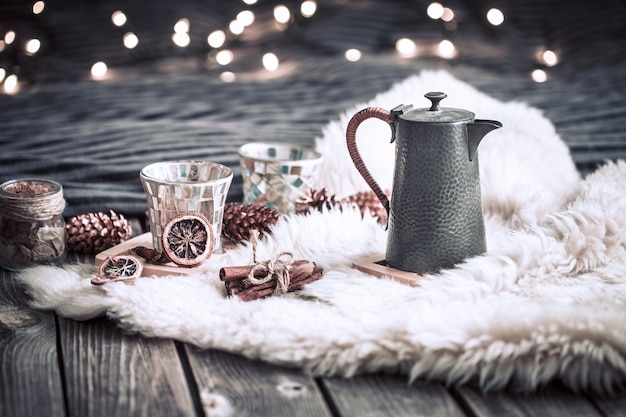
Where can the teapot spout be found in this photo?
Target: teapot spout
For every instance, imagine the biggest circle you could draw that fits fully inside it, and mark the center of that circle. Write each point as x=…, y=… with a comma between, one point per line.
x=476, y=131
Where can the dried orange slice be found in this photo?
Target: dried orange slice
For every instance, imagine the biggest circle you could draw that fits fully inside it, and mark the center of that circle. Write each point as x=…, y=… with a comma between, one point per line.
x=118, y=268
x=188, y=239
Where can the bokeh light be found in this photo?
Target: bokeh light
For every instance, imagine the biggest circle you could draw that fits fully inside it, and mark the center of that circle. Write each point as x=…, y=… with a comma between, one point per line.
x=227, y=76
x=11, y=84
x=32, y=46
x=182, y=26
x=9, y=37
x=224, y=57
x=539, y=76
x=353, y=55
x=245, y=17
x=435, y=10
x=270, y=61
x=3, y=73
x=495, y=17
x=236, y=28
x=446, y=49
x=99, y=70
x=447, y=15
x=130, y=40
x=308, y=8
x=406, y=47
x=181, y=37
x=549, y=58
x=282, y=14
x=118, y=18
x=216, y=39
x=38, y=7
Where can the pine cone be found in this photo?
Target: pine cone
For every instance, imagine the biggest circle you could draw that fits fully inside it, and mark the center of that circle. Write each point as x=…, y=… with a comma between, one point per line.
x=92, y=233
x=315, y=199
x=240, y=219
x=367, y=200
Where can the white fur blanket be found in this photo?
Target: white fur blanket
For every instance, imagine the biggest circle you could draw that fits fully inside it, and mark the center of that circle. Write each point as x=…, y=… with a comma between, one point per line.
x=547, y=301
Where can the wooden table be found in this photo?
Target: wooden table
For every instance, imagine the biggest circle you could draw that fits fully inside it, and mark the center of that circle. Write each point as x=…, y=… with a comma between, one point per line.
x=52, y=366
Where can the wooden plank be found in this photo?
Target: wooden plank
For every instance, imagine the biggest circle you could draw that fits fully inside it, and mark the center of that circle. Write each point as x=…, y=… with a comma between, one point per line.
x=551, y=401
x=389, y=395
x=30, y=378
x=377, y=265
x=231, y=385
x=111, y=373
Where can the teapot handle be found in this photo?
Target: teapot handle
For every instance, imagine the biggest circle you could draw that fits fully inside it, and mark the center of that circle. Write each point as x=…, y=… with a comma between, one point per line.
x=357, y=119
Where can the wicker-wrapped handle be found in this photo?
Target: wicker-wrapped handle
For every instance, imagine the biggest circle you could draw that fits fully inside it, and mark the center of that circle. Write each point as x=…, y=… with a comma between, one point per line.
x=357, y=119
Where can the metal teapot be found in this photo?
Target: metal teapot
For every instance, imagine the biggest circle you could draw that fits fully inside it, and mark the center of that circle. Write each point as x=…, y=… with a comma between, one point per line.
x=435, y=218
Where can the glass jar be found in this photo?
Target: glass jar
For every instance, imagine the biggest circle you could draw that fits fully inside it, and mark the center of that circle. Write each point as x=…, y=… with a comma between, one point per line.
x=32, y=229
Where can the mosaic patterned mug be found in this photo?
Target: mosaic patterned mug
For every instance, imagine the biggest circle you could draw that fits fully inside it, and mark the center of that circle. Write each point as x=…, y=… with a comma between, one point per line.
x=276, y=174
x=176, y=187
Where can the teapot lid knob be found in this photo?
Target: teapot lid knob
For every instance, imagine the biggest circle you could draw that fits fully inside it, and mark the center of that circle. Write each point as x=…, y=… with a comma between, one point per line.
x=435, y=97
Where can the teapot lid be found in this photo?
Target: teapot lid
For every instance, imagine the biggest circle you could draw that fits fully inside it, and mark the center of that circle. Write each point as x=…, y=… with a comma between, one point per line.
x=437, y=114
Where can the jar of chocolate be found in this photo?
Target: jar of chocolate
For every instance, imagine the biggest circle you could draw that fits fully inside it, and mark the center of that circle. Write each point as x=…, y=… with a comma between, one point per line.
x=32, y=229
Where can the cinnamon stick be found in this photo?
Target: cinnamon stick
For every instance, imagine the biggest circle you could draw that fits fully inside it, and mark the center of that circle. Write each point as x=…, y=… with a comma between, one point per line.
x=236, y=287
x=230, y=273
x=253, y=293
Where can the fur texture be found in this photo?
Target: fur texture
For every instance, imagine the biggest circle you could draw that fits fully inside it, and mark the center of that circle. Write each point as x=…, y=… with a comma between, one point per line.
x=547, y=302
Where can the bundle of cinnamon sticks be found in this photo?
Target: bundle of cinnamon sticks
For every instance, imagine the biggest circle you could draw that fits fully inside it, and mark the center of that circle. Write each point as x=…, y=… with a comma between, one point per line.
x=301, y=272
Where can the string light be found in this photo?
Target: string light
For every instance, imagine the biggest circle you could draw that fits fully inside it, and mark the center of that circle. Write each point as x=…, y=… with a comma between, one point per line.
x=38, y=7
x=9, y=37
x=11, y=84
x=539, y=76
x=224, y=57
x=282, y=14
x=495, y=17
x=216, y=39
x=227, y=76
x=181, y=37
x=118, y=18
x=182, y=26
x=447, y=15
x=435, y=10
x=130, y=40
x=99, y=70
x=549, y=58
x=32, y=46
x=236, y=28
x=245, y=17
x=308, y=8
x=446, y=49
x=406, y=47
x=270, y=61
x=353, y=55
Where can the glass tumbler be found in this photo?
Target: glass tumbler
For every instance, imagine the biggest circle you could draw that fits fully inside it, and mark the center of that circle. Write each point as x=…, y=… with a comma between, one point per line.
x=276, y=175
x=176, y=187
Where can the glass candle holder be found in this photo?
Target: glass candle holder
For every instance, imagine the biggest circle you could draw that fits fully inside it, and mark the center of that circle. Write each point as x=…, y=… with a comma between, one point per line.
x=276, y=175
x=176, y=187
x=32, y=228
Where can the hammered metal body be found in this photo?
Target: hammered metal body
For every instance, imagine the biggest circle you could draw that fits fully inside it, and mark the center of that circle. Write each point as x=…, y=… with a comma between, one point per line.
x=435, y=218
